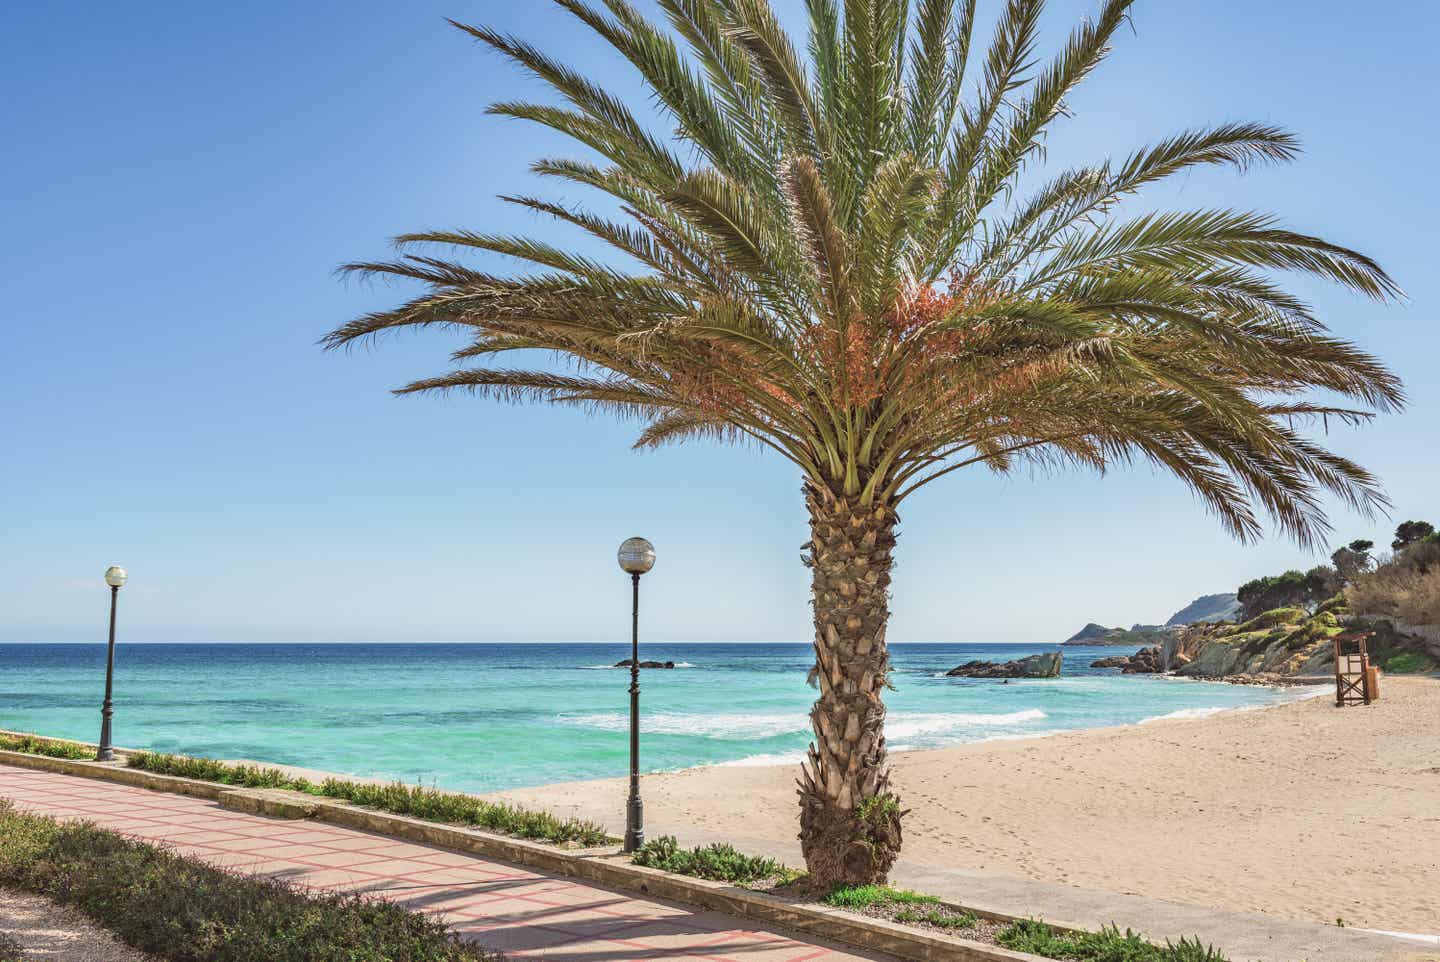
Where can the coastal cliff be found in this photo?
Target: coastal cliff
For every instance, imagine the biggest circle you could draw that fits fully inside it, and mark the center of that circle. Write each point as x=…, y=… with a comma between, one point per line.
x=1285, y=641
x=1279, y=644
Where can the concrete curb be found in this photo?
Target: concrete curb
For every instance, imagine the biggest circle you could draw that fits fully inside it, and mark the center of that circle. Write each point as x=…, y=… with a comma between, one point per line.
x=600, y=865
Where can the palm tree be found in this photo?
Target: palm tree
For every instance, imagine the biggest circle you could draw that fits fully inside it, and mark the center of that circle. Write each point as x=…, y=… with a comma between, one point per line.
x=826, y=256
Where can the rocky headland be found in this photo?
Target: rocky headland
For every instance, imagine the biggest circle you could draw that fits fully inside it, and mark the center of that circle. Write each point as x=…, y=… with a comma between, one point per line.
x=1276, y=647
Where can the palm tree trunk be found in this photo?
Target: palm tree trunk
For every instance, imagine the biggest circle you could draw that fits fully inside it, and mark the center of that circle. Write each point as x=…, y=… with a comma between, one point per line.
x=849, y=820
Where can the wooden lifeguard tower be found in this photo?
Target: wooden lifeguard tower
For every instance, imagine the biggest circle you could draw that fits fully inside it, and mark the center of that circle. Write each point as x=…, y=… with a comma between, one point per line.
x=1356, y=683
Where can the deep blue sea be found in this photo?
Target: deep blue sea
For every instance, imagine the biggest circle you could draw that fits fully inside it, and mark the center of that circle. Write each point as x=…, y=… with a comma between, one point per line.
x=489, y=716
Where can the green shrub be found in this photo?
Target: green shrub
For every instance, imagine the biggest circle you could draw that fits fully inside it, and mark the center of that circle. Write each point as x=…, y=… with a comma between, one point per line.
x=413, y=800
x=437, y=806
x=861, y=896
x=717, y=861
x=937, y=918
x=210, y=770
x=1274, y=618
x=1037, y=938
x=39, y=746
x=1107, y=945
x=182, y=909
x=1409, y=663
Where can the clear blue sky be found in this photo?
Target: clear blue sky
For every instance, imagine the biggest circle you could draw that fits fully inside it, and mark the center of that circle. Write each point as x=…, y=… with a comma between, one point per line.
x=180, y=179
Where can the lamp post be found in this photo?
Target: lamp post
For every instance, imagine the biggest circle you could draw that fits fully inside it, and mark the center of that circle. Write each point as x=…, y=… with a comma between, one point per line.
x=636, y=556
x=115, y=577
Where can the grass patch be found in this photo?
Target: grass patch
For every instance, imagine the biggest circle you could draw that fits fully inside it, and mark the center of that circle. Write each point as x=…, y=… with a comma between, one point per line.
x=1107, y=945
x=210, y=770
x=437, y=806
x=717, y=861
x=1408, y=663
x=937, y=918
x=416, y=801
x=1274, y=618
x=181, y=909
x=864, y=896
x=40, y=746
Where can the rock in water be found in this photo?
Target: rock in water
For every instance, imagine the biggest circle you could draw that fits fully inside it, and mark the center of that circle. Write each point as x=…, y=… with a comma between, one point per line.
x=646, y=664
x=1146, y=661
x=1034, y=666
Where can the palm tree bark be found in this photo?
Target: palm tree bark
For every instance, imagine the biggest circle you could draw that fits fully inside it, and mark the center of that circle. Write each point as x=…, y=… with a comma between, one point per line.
x=849, y=819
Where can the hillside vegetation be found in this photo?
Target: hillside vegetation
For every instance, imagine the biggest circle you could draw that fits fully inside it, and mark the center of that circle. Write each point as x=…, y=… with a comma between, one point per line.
x=1405, y=586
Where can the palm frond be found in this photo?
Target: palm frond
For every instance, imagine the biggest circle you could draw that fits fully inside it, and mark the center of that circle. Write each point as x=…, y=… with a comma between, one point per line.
x=832, y=256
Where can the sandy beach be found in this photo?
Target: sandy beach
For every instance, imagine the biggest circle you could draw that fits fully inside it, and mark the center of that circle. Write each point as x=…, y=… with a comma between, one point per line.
x=1301, y=810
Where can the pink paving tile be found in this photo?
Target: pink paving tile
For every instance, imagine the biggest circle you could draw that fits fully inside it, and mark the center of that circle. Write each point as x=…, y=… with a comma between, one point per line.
x=270, y=848
x=452, y=859
x=402, y=850
x=513, y=940
x=190, y=835
x=453, y=876
x=235, y=860
x=344, y=859
x=327, y=877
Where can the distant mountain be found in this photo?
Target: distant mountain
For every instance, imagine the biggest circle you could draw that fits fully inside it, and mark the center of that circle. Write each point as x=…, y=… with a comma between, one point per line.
x=1093, y=634
x=1222, y=607
x=1090, y=631
x=1209, y=608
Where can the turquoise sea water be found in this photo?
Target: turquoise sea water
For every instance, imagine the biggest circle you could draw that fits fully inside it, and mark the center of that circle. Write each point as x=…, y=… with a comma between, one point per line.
x=484, y=717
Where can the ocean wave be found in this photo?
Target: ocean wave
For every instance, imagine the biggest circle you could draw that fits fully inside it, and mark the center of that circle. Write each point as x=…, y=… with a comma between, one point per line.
x=744, y=727
x=748, y=727
x=1190, y=713
x=910, y=725
x=753, y=761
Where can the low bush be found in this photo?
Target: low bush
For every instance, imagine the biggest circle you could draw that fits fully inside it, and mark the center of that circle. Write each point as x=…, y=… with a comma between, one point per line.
x=1408, y=664
x=182, y=909
x=1107, y=945
x=210, y=770
x=719, y=862
x=40, y=746
x=862, y=896
x=937, y=918
x=1274, y=618
x=437, y=806
x=415, y=801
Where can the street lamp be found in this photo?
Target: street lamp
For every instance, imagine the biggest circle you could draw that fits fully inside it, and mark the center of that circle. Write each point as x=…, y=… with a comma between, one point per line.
x=636, y=556
x=114, y=577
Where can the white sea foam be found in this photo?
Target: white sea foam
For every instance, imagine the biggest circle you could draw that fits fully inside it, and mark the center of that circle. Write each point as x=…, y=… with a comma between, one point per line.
x=748, y=727
x=906, y=725
x=753, y=761
x=730, y=726
x=1187, y=713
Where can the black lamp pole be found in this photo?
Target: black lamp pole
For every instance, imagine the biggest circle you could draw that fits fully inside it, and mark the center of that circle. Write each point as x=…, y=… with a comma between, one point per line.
x=636, y=556
x=106, y=752
x=635, y=809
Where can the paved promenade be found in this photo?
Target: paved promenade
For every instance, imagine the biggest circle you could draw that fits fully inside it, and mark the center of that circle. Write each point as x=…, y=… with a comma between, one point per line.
x=515, y=910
